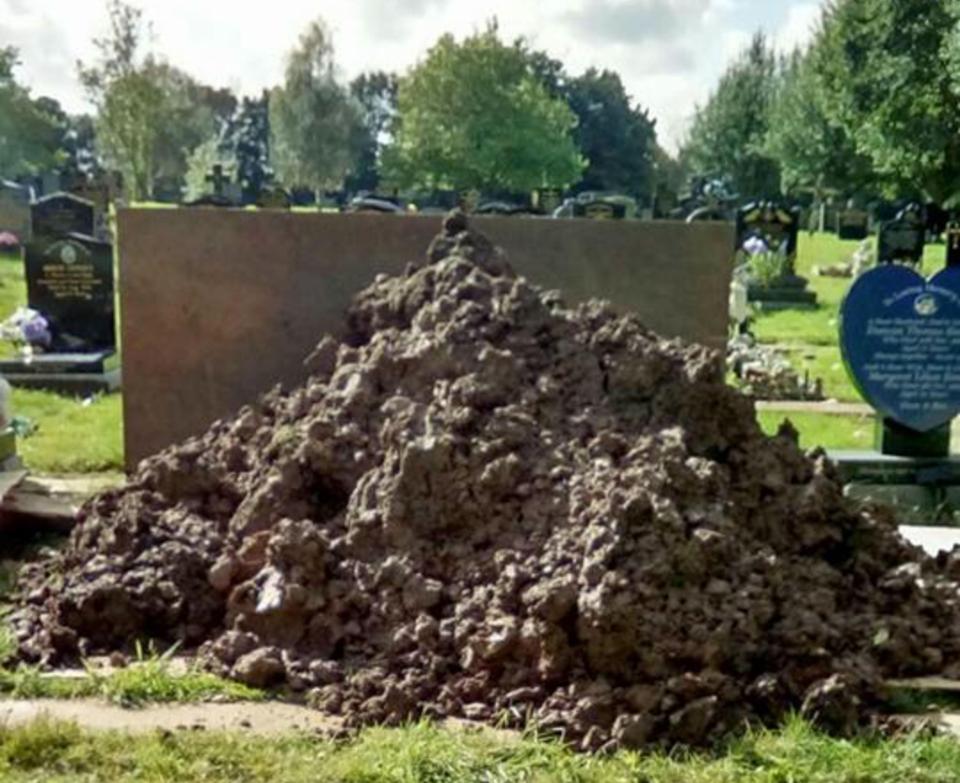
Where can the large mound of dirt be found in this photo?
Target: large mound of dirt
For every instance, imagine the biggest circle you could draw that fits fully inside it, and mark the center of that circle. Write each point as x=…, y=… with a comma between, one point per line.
x=483, y=503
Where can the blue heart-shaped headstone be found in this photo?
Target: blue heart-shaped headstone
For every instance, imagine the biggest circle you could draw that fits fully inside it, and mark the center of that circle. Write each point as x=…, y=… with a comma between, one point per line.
x=900, y=339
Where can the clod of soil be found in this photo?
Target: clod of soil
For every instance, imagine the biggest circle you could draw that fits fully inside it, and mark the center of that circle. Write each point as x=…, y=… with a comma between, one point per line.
x=484, y=504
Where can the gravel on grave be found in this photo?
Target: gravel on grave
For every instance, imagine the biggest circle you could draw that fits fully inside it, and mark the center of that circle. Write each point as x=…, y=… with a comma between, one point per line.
x=484, y=504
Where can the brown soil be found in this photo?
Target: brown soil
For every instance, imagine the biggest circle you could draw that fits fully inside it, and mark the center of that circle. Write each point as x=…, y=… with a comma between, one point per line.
x=485, y=504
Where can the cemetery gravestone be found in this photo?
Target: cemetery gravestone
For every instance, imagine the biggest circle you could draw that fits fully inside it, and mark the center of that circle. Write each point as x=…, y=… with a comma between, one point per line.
x=15, y=210
x=274, y=198
x=853, y=223
x=900, y=341
x=224, y=193
x=953, y=243
x=60, y=214
x=770, y=228
x=901, y=240
x=599, y=209
x=504, y=208
x=98, y=194
x=70, y=283
x=547, y=200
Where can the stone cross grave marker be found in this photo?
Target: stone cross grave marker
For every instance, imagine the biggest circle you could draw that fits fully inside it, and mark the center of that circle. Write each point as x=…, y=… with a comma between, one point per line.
x=217, y=179
x=901, y=240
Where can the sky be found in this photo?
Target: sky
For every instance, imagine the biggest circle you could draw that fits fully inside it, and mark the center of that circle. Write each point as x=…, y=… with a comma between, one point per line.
x=669, y=53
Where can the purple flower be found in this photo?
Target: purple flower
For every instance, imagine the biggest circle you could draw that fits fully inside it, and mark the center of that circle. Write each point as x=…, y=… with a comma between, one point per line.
x=36, y=330
x=754, y=245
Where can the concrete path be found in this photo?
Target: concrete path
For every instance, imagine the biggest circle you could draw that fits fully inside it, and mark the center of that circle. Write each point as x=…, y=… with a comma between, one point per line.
x=933, y=540
x=830, y=407
x=263, y=718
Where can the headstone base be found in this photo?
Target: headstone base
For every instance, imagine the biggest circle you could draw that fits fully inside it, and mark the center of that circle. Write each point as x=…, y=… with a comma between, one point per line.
x=68, y=373
x=895, y=439
x=782, y=297
x=925, y=485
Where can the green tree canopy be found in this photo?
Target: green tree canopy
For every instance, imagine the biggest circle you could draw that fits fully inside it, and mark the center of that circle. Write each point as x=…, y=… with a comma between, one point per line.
x=890, y=78
x=729, y=133
x=149, y=114
x=617, y=138
x=313, y=120
x=376, y=95
x=816, y=153
x=474, y=115
x=30, y=133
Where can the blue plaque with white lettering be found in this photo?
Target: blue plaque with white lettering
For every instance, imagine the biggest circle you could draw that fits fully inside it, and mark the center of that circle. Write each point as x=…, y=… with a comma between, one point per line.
x=900, y=340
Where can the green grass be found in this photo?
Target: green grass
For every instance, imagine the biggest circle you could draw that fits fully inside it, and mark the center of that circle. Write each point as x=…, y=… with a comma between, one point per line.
x=73, y=435
x=13, y=293
x=148, y=679
x=824, y=362
x=819, y=429
x=57, y=752
x=144, y=682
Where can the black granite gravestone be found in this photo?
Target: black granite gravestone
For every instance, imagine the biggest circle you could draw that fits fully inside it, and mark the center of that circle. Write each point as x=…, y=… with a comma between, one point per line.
x=70, y=283
x=274, y=198
x=599, y=209
x=900, y=341
x=952, y=234
x=548, y=199
x=773, y=228
x=853, y=223
x=901, y=240
x=60, y=214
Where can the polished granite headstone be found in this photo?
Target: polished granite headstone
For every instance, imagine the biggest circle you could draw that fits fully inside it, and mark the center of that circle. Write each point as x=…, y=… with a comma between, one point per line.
x=70, y=281
x=900, y=341
x=60, y=214
x=777, y=226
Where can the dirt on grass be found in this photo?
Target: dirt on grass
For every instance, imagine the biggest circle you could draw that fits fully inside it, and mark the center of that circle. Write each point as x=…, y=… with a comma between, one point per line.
x=484, y=504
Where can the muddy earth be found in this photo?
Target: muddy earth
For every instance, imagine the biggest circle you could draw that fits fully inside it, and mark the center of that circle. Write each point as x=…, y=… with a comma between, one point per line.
x=484, y=504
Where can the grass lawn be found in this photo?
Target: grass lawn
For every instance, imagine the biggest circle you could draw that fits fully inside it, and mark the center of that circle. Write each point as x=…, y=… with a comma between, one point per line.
x=73, y=435
x=423, y=753
x=819, y=429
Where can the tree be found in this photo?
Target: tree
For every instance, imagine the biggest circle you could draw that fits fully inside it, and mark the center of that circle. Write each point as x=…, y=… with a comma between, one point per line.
x=728, y=135
x=816, y=153
x=376, y=95
x=29, y=135
x=617, y=138
x=150, y=114
x=128, y=101
x=192, y=114
x=313, y=120
x=474, y=115
x=889, y=70
x=247, y=141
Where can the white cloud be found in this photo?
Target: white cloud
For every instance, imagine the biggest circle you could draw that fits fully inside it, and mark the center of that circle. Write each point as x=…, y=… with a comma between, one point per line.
x=798, y=28
x=668, y=52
